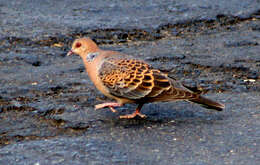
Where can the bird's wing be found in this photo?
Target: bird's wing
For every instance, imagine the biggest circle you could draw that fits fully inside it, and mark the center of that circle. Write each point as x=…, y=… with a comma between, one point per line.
x=134, y=79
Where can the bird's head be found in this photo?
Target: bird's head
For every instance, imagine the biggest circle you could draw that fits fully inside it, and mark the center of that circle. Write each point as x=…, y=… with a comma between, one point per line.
x=83, y=46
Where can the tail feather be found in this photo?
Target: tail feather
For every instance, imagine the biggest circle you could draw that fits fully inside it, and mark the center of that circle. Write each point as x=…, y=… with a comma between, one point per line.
x=207, y=103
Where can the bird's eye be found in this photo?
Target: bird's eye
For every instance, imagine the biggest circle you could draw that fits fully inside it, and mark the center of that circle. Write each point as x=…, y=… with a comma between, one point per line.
x=78, y=44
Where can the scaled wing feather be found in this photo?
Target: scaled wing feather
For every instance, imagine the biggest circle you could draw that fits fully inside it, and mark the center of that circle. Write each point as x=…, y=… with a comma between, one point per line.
x=134, y=79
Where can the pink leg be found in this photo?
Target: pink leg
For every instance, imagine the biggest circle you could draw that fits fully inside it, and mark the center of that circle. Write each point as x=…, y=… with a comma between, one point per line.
x=109, y=105
x=136, y=113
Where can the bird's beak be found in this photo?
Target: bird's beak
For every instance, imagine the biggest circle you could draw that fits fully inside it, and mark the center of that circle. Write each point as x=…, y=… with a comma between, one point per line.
x=70, y=53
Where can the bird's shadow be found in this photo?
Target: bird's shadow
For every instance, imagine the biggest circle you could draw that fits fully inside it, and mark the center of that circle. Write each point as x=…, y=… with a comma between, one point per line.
x=163, y=113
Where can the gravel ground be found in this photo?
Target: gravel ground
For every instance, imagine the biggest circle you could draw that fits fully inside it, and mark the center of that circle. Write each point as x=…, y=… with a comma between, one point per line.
x=47, y=99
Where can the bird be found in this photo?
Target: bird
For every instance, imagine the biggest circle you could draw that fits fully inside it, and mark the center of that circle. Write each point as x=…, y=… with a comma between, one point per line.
x=127, y=80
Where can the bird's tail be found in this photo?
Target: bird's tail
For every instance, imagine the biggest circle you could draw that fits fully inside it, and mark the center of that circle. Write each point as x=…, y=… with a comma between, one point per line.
x=207, y=103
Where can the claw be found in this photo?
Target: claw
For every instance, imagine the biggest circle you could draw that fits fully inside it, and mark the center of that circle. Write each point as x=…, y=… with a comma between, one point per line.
x=136, y=113
x=133, y=115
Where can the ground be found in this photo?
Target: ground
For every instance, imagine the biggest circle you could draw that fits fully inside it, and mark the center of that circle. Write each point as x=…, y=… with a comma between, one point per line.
x=47, y=101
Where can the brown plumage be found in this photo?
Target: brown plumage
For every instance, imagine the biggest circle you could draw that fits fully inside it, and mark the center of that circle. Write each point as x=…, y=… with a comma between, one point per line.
x=130, y=80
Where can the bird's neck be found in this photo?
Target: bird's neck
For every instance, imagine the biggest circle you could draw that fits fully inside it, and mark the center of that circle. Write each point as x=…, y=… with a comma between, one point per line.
x=90, y=69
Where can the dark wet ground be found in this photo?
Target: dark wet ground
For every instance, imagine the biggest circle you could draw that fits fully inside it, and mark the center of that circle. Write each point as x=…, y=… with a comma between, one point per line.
x=47, y=100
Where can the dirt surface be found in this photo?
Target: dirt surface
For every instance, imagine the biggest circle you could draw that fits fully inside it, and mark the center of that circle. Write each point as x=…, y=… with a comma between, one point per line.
x=47, y=99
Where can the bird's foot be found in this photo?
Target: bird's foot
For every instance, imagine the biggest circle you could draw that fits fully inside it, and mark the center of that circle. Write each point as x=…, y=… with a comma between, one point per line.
x=109, y=105
x=133, y=115
x=136, y=113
